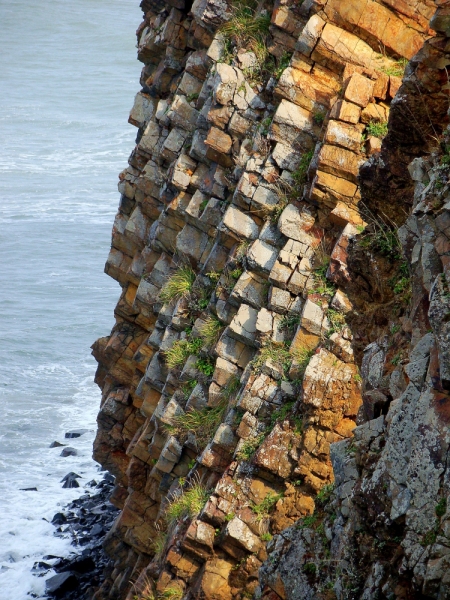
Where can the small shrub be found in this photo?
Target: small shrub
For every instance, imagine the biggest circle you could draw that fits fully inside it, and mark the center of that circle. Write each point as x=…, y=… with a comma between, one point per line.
x=236, y=273
x=180, y=351
x=289, y=323
x=377, y=129
x=188, y=387
x=188, y=503
x=211, y=330
x=266, y=537
x=302, y=356
x=214, y=276
x=307, y=522
x=178, y=285
x=192, y=97
x=229, y=517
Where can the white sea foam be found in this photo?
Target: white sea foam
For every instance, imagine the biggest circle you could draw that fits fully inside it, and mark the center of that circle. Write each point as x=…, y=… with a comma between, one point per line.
x=67, y=86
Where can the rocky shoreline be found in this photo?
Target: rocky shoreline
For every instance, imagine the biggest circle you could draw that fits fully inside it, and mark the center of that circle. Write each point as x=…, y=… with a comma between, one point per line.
x=86, y=519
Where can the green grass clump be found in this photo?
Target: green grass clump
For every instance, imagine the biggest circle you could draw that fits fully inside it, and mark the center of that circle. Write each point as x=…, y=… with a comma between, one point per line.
x=279, y=356
x=206, y=365
x=302, y=356
x=441, y=507
x=324, y=494
x=266, y=537
x=158, y=543
x=246, y=29
x=180, y=351
x=336, y=320
x=178, y=285
x=377, y=129
x=249, y=447
x=263, y=508
x=300, y=173
x=188, y=503
x=173, y=592
x=397, y=69
x=202, y=423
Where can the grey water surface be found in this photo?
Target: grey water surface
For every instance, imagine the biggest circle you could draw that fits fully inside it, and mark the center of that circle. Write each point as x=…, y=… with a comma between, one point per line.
x=68, y=75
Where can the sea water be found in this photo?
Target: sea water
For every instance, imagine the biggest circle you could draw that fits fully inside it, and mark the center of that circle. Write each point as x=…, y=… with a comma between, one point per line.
x=68, y=75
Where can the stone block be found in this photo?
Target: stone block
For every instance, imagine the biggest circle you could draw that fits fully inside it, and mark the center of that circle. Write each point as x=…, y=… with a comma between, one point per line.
x=234, y=351
x=240, y=224
x=143, y=109
x=294, y=125
x=286, y=157
x=359, y=90
x=218, y=140
x=310, y=35
x=343, y=134
x=295, y=224
x=264, y=322
x=238, y=532
x=181, y=114
x=312, y=318
x=250, y=289
x=279, y=300
x=224, y=372
x=225, y=82
x=243, y=325
x=343, y=214
x=183, y=171
x=345, y=111
x=375, y=112
x=261, y=256
x=339, y=162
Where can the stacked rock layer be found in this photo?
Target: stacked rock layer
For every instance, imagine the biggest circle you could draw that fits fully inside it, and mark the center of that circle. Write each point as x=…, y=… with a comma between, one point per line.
x=282, y=282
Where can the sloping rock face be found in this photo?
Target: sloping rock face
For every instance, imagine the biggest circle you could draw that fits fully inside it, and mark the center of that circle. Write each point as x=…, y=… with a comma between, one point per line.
x=267, y=307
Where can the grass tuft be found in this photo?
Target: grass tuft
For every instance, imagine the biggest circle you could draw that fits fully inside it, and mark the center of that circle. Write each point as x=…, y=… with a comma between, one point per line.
x=211, y=330
x=188, y=503
x=178, y=285
x=246, y=29
x=377, y=129
x=180, y=351
x=202, y=423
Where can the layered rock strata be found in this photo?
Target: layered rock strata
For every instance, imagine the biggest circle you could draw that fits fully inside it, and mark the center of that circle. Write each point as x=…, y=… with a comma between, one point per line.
x=230, y=390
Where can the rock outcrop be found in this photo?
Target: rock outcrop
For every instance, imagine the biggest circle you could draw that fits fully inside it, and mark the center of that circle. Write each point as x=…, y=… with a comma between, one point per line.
x=279, y=364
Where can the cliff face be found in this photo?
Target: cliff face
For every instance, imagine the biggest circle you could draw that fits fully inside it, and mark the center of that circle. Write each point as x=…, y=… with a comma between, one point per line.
x=284, y=280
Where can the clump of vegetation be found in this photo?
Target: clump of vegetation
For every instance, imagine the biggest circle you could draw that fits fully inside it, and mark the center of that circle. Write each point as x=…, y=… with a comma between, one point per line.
x=278, y=355
x=206, y=365
x=266, y=537
x=173, y=592
x=263, y=508
x=202, y=423
x=211, y=330
x=336, y=320
x=309, y=568
x=230, y=389
x=289, y=323
x=188, y=503
x=179, y=285
x=324, y=494
x=301, y=172
x=377, y=129
x=180, y=351
x=158, y=543
x=319, y=118
x=249, y=447
x=187, y=387
x=246, y=29
x=302, y=356
x=241, y=251
x=282, y=64
x=397, y=69
x=441, y=507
